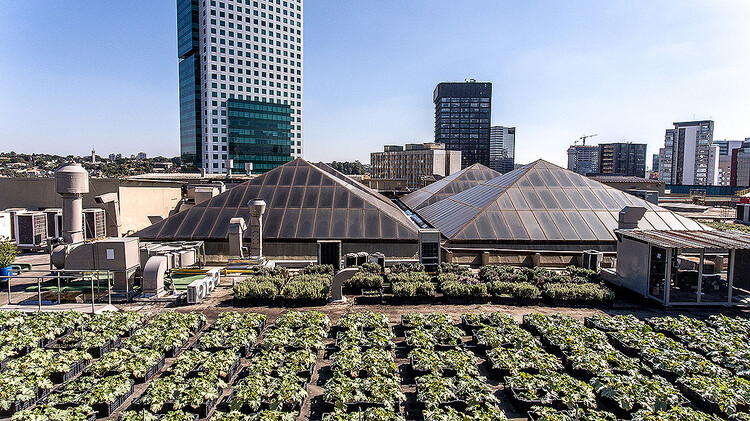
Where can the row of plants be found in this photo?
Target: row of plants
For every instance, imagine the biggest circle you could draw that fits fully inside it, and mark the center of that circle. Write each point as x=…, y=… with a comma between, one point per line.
x=100, y=333
x=729, y=348
x=22, y=333
x=275, y=382
x=232, y=331
x=363, y=368
x=448, y=382
x=168, y=332
x=711, y=387
x=586, y=351
x=310, y=284
x=144, y=415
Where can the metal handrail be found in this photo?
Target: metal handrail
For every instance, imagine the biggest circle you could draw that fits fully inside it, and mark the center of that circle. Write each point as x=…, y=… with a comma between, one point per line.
x=61, y=274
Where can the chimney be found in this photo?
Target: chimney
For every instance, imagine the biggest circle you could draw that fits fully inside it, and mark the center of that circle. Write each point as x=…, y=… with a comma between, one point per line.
x=257, y=209
x=72, y=182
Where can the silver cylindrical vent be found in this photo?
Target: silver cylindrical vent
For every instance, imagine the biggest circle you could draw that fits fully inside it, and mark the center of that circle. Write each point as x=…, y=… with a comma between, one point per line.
x=72, y=182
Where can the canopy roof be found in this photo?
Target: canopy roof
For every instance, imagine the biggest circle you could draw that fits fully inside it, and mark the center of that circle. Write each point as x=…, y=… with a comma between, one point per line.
x=715, y=240
x=448, y=186
x=542, y=202
x=304, y=202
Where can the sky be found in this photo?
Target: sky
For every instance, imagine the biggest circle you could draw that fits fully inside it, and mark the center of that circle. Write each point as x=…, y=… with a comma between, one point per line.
x=79, y=74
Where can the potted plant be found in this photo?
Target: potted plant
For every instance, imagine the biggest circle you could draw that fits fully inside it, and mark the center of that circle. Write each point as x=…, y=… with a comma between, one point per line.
x=8, y=253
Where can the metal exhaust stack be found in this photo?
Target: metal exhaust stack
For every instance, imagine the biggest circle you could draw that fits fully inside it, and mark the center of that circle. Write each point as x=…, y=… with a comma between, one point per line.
x=629, y=217
x=72, y=182
x=257, y=209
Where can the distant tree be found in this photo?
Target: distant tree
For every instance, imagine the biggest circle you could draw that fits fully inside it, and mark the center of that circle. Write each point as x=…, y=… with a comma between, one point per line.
x=349, y=168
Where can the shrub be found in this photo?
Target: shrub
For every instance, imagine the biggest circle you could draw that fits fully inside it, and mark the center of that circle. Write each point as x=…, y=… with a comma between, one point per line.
x=585, y=292
x=406, y=267
x=279, y=271
x=305, y=287
x=464, y=289
x=408, y=277
x=252, y=288
x=493, y=273
x=317, y=270
x=365, y=280
x=414, y=289
x=8, y=253
x=371, y=268
x=454, y=268
x=590, y=275
x=515, y=289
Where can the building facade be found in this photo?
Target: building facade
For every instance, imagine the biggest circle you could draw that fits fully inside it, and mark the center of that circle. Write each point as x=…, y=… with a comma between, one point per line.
x=724, y=175
x=240, y=90
x=462, y=119
x=419, y=164
x=626, y=159
x=502, y=148
x=689, y=156
x=740, y=166
x=583, y=159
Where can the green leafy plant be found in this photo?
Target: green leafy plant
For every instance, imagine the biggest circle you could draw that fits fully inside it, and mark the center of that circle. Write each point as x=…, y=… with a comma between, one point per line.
x=8, y=253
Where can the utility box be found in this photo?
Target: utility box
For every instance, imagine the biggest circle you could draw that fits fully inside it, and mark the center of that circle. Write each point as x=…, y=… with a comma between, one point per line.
x=329, y=253
x=31, y=230
x=94, y=223
x=117, y=254
x=378, y=258
x=429, y=249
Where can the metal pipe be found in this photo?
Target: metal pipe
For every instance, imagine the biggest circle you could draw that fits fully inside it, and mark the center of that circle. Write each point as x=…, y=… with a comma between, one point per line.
x=39, y=293
x=93, y=307
x=9, y=290
x=58, y=290
x=109, y=292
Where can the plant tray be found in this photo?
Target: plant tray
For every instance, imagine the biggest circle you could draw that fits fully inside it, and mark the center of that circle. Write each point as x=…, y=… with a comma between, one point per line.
x=203, y=410
x=75, y=369
x=527, y=302
x=506, y=300
x=4, y=362
x=200, y=326
x=106, y=409
x=109, y=346
x=625, y=349
x=151, y=371
x=17, y=406
x=704, y=404
x=522, y=404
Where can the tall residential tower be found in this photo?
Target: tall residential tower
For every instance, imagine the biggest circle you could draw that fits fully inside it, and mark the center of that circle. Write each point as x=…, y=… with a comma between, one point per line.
x=240, y=83
x=462, y=119
x=689, y=156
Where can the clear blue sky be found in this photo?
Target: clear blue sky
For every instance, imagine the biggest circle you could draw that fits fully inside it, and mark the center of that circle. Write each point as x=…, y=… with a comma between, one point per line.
x=79, y=73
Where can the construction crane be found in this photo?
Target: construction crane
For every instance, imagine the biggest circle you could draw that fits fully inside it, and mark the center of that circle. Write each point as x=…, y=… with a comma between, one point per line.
x=586, y=136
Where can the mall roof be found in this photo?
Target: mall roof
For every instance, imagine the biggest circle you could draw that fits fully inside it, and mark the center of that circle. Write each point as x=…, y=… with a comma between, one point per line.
x=304, y=202
x=448, y=186
x=542, y=202
x=723, y=240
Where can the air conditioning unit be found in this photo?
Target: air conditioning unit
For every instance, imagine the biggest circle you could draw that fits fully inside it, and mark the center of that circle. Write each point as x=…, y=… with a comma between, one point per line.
x=196, y=291
x=31, y=229
x=215, y=275
x=592, y=259
x=429, y=249
x=54, y=222
x=5, y=226
x=13, y=212
x=94, y=224
x=210, y=284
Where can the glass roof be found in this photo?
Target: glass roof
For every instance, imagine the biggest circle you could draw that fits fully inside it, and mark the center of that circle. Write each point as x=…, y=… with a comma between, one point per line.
x=304, y=201
x=542, y=202
x=448, y=186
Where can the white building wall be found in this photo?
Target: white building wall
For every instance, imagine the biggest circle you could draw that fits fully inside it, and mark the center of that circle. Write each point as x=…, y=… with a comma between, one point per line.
x=249, y=50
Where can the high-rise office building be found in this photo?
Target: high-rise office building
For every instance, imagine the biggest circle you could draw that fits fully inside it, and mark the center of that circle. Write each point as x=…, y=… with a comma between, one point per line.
x=502, y=148
x=462, y=119
x=689, y=156
x=240, y=83
x=583, y=159
x=740, y=166
x=655, y=163
x=627, y=159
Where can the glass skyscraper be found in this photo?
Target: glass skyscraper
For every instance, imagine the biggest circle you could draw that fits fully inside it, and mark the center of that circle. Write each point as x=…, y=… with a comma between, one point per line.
x=462, y=119
x=240, y=83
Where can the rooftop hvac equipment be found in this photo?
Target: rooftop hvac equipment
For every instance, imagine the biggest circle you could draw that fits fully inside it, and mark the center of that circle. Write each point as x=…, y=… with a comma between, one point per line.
x=429, y=249
x=31, y=229
x=196, y=291
x=94, y=224
x=13, y=212
x=592, y=259
x=54, y=222
x=5, y=226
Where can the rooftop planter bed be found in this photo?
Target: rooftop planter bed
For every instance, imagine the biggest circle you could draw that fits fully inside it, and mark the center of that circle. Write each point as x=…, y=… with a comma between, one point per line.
x=559, y=390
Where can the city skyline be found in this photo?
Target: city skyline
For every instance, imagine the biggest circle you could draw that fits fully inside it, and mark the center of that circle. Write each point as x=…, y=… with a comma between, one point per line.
x=560, y=70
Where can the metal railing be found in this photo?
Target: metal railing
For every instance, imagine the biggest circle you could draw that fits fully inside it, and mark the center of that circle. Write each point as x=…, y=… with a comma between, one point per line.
x=95, y=277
